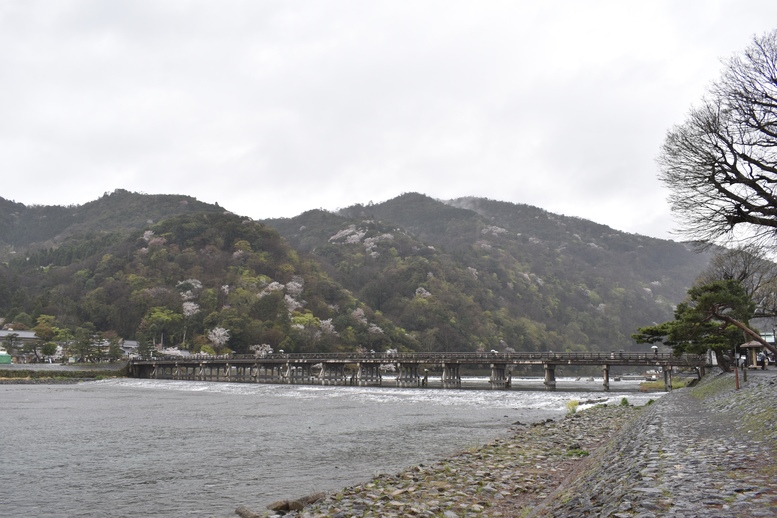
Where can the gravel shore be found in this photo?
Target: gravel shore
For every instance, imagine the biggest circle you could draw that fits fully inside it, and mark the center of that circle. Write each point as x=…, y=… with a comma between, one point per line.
x=708, y=451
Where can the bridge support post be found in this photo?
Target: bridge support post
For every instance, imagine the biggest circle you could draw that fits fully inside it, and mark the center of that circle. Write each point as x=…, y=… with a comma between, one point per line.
x=408, y=375
x=606, y=378
x=667, y=378
x=450, y=375
x=332, y=374
x=500, y=376
x=368, y=374
x=262, y=375
x=550, y=376
x=296, y=374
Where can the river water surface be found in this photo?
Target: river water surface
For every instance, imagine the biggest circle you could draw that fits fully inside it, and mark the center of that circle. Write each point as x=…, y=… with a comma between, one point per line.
x=129, y=447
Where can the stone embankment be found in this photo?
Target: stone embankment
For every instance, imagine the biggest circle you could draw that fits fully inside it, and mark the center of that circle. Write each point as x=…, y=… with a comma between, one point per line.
x=708, y=451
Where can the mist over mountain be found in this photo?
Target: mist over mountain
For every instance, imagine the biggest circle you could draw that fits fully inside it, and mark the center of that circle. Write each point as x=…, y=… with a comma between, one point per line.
x=412, y=272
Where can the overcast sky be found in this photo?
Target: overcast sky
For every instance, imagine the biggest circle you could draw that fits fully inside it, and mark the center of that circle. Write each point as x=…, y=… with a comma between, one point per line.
x=271, y=108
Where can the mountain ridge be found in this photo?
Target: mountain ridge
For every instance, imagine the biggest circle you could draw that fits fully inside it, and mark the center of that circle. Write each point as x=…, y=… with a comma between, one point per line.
x=561, y=273
x=411, y=272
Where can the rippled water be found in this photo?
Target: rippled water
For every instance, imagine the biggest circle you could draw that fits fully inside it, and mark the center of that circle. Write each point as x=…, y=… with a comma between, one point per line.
x=165, y=448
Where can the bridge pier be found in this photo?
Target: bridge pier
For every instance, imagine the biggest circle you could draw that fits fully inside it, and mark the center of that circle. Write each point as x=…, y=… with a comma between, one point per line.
x=606, y=378
x=368, y=374
x=667, y=378
x=501, y=376
x=550, y=376
x=187, y=372
x=213, y=372
x=242, y=373
x=450, y=375
x=272, y=373
x=408, y=375
x=296, y=374
x=332, y=374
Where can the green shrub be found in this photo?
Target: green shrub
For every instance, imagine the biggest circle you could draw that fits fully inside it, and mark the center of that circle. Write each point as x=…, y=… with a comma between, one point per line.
x=577, y=452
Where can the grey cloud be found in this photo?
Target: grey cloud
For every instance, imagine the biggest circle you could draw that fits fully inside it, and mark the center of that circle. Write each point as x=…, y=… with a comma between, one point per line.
x=273, y=108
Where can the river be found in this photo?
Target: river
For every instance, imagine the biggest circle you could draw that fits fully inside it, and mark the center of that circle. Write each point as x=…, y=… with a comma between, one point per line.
x=129, y=448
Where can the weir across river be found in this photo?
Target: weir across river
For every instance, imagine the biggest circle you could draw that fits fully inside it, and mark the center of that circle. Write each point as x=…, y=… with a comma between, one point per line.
x=406, y=369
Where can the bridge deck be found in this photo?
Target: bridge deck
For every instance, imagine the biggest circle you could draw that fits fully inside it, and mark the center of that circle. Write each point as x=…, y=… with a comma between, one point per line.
x=367, y=369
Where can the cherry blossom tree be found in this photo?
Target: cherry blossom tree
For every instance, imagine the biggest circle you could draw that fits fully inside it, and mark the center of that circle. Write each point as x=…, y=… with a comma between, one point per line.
x=219, y=337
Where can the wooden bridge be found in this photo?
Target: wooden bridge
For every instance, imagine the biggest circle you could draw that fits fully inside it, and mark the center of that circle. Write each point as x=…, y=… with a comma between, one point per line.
x=407, y=369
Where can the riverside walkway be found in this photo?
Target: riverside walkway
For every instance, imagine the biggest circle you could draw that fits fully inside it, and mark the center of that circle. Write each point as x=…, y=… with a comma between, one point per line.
x=407, y=369
x=706, y=452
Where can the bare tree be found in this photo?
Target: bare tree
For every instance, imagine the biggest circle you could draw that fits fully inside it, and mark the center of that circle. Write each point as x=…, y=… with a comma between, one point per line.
x=721, y=163
x=749, y=266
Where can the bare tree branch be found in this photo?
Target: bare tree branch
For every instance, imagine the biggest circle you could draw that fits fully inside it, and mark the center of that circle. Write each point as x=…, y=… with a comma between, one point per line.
x=721, y=163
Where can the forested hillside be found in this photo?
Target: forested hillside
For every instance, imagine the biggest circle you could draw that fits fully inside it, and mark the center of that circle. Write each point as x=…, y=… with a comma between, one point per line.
x=188, y=275
x=411, y=273
x=46, y=226
x=475, y=273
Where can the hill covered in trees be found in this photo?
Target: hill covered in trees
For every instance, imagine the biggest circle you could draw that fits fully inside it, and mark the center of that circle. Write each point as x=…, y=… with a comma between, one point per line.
x=475, y=273
x=34, y=227
x=411, y=273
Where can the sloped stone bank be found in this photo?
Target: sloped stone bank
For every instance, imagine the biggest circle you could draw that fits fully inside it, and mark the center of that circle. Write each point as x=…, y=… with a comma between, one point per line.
x=508, y=477
x=703, y=452
x=708, y=451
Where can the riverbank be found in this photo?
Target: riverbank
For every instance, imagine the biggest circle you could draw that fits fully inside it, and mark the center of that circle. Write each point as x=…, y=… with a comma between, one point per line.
x=54, y=373
x=704, y=451
x=708, y=451
x=502, y=478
